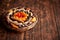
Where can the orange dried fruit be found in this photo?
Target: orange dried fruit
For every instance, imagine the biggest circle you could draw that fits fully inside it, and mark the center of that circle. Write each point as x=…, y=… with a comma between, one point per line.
x=20, y=16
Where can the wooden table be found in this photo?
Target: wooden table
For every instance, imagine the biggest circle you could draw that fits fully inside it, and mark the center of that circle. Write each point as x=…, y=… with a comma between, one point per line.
x=48, y=26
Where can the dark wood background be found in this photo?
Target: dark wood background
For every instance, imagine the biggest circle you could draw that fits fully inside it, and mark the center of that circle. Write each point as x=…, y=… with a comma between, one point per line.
x=48, y=26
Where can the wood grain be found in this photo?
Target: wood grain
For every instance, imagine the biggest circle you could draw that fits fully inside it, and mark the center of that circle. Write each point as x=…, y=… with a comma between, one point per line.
x=47, y=27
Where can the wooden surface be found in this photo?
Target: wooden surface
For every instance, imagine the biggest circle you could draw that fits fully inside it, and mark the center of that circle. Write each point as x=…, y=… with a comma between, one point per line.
x=48, y=26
